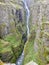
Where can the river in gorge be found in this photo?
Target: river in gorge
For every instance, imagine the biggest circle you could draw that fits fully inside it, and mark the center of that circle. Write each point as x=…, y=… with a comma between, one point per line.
x=21, y=58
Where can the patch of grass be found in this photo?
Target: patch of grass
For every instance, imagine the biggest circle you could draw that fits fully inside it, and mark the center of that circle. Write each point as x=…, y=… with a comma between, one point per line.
x=4, y=46
x=11, y=46
x=9, y=40
x=12, y=39
x=29, y=50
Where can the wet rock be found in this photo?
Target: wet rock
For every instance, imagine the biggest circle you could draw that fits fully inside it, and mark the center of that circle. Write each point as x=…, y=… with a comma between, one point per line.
x=24, y=37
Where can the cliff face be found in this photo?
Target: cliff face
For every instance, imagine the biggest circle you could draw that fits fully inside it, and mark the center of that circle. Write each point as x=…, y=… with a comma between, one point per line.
x=39, y=48
x=13, y=29
x=12, y=25
x=10, y=12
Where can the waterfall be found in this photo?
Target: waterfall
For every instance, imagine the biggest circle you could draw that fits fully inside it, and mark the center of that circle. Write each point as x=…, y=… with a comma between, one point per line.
x=27, y=15
x=20, y=59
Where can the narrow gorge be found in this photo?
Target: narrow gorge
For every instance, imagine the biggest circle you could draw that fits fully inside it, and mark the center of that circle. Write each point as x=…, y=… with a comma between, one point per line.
x=21, y=58
x=24, y=32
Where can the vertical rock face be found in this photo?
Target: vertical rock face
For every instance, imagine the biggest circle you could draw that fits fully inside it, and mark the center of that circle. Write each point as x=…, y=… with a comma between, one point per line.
x=3, y=19
x=41, y=44
x=11, y=21
x=39, y=15
x=8, y=15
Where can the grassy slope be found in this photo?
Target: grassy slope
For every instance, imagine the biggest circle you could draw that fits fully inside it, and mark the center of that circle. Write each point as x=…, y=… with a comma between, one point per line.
x=29, y=50
x=9, y=41
x=14, y=40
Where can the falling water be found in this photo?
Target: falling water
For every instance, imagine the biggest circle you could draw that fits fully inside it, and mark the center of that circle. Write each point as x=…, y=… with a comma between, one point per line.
x=27, y=15
x=20, y=59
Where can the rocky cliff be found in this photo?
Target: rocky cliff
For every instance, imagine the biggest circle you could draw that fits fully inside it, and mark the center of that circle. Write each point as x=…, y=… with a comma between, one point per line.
x=10, y=12
x=38, y=47
x=12, y=28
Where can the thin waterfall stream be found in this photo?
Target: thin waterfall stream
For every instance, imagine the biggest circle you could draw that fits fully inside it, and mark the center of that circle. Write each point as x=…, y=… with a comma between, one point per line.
x=27, y=15
x=20, y=59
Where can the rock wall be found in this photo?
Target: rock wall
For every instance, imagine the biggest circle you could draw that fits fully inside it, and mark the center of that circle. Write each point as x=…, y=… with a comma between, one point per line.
x=41, y=41
x=39, y=22
x=8, y=15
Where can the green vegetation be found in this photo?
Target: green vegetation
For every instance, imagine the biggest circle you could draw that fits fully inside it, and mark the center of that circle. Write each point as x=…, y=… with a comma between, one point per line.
x=14, y=40
x=29, y=49
x=13, y=31
x=11, y=46
x=41, y=57
x=29, y=52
